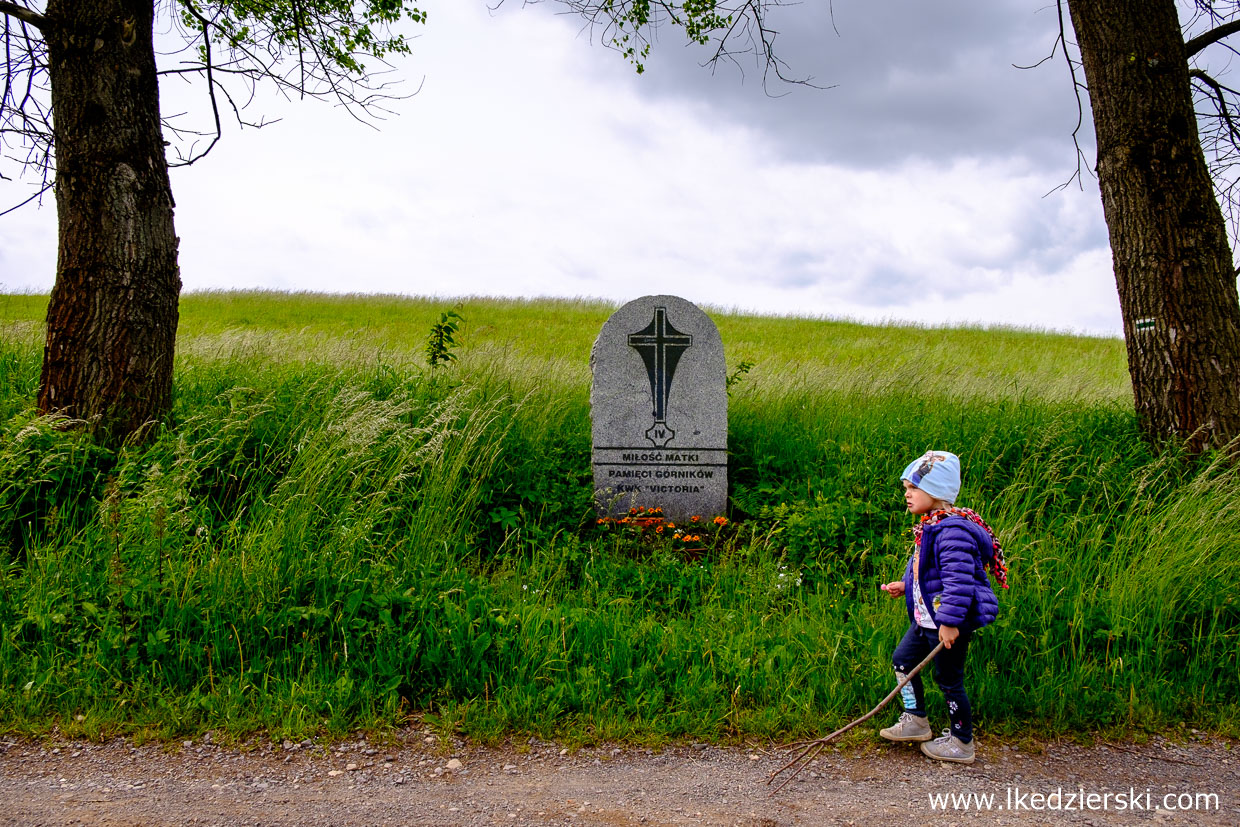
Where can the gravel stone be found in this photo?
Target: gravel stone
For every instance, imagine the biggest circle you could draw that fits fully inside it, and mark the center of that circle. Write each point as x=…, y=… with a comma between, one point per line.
x=62, y=782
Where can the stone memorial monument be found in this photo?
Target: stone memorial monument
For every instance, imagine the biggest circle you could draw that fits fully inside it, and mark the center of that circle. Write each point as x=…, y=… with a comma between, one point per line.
x=659, y=406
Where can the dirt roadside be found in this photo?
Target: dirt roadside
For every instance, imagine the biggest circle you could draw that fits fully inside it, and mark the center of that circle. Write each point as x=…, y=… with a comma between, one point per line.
x=418, y=780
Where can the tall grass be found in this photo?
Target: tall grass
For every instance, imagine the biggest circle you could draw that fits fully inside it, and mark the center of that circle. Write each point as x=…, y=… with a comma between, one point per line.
x=333, y=536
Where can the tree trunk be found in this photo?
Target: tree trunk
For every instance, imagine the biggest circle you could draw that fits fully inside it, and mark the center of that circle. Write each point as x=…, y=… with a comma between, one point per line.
x=111, y=324
x=1173, y=265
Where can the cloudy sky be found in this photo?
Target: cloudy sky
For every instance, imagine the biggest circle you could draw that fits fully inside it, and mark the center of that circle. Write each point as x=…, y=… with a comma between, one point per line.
x=916, y=185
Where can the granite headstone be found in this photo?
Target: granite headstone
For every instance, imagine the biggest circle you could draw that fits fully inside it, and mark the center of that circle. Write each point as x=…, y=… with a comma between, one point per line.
x=659, y=409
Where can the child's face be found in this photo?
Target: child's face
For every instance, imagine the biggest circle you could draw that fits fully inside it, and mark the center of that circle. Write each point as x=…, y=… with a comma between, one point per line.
x=918, y=501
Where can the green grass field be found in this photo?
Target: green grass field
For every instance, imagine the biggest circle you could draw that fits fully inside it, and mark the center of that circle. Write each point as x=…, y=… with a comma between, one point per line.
x=330, y=536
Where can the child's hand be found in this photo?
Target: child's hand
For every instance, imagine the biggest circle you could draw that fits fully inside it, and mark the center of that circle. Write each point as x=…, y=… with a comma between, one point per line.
x=948, y=635
x=894, y=589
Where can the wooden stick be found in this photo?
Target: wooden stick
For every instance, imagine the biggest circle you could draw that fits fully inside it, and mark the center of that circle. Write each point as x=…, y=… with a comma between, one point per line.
x=811, y=750
x=1156, y=757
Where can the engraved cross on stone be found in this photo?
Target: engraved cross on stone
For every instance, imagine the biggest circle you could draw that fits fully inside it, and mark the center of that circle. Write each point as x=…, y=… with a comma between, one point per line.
x=660, y=345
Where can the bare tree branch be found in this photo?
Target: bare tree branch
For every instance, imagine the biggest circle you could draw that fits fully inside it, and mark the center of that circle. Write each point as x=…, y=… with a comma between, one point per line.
x=37, y=195
x=737, y=28
x=294, y=61
x=1220, y=92
x=209, y=69
x=1220, y=139
x=1217, y=104
x=759, y=41
x=1061, y=42
x=23, y=14
x=25, y=102
x=1201, y=41
x=299, y=48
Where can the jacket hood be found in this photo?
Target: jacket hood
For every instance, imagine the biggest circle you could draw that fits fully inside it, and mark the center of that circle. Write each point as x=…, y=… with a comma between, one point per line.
x=985, y=540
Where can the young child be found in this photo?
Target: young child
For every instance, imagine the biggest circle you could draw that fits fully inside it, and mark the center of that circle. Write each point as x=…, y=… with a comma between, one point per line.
x=948, y=597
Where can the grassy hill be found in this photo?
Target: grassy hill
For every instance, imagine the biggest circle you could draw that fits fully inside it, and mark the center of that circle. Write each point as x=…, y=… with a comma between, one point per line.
x=331, y=536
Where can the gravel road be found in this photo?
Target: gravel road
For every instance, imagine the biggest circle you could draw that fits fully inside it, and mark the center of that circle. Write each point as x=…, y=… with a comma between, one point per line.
x=417, y=779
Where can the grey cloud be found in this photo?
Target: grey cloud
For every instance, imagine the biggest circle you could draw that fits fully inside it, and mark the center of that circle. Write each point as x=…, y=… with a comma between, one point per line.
x=1050, y=245
x=797, y=269
x=882, y=286
x=909, y=78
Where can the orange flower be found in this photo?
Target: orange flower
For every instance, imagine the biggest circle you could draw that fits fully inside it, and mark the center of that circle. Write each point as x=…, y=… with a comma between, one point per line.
x=694, y=518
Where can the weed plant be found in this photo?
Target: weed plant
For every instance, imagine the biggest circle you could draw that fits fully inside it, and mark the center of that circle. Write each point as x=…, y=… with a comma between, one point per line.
x=331, y=536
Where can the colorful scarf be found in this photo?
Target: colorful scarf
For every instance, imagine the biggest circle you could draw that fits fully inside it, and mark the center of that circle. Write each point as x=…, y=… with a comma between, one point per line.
x=996, y=564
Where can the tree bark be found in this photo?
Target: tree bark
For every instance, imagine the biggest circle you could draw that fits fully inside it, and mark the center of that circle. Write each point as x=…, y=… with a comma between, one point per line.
x=1173, y=264
x=112, y=320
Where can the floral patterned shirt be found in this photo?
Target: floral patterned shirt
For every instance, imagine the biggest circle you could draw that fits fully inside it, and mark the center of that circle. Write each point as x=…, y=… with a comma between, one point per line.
x=920, y=613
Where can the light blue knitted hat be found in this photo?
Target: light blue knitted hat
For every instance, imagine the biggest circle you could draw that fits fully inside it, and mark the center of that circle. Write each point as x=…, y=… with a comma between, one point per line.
x=937, y=473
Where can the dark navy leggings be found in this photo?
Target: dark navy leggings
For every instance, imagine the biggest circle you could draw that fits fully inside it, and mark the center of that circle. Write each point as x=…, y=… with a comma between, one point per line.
x=948, y=674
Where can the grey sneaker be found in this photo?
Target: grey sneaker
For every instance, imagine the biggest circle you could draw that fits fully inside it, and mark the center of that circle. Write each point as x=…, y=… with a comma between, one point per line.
x=949, y=748
x=910, y=727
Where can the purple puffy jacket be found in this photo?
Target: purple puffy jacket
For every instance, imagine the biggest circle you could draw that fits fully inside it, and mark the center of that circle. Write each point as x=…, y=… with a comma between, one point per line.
x=954, y=552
